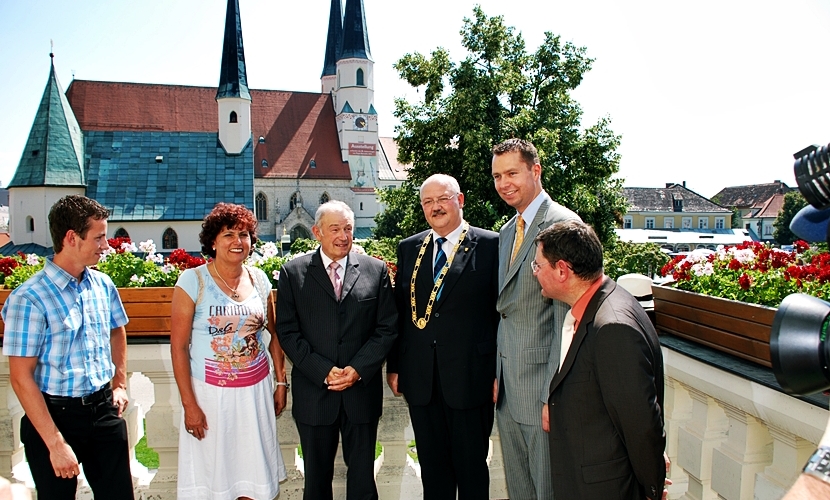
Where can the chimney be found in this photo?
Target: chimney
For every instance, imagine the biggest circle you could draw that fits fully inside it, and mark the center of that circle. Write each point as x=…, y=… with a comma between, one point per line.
x=684, y=183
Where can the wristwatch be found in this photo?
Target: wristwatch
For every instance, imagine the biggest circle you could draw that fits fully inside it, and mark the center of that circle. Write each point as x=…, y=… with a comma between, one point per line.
x=819, y=464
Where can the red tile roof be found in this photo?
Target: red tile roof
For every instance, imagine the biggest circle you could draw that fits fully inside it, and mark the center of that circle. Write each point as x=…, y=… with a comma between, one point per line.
x=297, y=126
x=772, y=206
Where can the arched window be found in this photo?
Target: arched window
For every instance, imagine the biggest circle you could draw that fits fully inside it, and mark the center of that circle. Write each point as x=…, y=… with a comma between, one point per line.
x=169, y=239
x=359, y=77
x=296, y=200
x=324, y=198
x=121, y=233
x=30, y=224
x=299, y=231
x=261, y=206
x=264, y=163
x=232, y=118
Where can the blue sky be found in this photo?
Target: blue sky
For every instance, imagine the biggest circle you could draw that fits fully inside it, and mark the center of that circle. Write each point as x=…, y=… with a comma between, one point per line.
x=714, y=93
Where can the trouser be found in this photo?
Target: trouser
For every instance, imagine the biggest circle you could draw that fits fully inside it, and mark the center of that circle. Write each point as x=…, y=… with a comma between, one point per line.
x=97, y=436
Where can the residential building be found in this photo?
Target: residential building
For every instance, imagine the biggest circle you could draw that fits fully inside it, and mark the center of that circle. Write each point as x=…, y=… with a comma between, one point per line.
x=161, y=156
x=750, y=201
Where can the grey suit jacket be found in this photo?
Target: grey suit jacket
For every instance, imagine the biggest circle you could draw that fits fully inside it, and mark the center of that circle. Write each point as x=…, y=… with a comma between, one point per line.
x=531, y=325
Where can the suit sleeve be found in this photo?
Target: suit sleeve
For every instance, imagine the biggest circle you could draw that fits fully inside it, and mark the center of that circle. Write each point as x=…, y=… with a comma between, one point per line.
x=368, y=360
x=399, y=293
x=626, y=377
x=293, y=342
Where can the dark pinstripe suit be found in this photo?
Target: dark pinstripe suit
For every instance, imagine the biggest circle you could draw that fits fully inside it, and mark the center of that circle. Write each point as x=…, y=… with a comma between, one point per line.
x=318, y=333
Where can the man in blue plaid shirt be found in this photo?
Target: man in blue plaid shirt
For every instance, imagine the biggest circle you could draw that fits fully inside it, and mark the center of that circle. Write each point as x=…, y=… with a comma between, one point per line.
x=67, y=350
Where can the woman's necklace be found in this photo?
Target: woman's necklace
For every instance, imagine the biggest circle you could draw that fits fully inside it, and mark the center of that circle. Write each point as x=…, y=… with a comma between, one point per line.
x=234, y=294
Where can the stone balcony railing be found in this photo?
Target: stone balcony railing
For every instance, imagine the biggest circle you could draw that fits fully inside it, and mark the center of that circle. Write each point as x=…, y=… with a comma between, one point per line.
x=729, y=437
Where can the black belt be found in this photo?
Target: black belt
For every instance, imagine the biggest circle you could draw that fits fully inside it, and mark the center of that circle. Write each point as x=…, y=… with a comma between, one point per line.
x=91, y=399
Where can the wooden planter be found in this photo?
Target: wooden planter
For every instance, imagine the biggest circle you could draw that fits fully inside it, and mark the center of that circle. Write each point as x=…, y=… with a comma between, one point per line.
x=147, y=308
x=730, y=326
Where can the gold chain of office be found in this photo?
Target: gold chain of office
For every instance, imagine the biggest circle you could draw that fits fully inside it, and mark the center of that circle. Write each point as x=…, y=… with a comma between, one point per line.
x=421, y=323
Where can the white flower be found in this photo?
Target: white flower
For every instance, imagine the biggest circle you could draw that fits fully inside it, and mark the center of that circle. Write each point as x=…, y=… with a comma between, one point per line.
x=109, y=251
x=32, y=259
x=269, y=249
x=703, y=269
x=358, y=249
x=128, y=247
x=276, y=275
x=744, y=256
x=254, y=259
x=154, y=257
x=147, y=246
x=167, y=268
x=134, y=278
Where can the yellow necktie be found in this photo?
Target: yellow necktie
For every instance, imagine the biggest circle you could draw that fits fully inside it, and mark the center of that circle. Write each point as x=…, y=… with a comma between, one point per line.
x=520, y=237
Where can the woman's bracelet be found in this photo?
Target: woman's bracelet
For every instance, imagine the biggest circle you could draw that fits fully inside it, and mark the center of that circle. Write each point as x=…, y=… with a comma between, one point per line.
x=286, y=384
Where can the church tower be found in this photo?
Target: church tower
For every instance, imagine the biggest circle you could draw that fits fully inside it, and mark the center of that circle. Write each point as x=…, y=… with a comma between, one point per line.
x=51, y=167
x=354, y=95
x=232, y=97
x=334, y=43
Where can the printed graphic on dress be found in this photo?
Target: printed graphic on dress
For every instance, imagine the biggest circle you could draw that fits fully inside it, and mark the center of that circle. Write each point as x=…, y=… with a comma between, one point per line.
x=238, y=353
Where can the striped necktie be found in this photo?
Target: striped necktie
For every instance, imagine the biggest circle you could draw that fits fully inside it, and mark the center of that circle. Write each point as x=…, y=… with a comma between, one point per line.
x=520, y=237
x=440, y=258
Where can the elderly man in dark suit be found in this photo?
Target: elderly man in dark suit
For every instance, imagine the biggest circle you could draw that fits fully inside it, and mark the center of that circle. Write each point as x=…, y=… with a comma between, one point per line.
x=444, y=361
x=606, y=399
x=336, y=321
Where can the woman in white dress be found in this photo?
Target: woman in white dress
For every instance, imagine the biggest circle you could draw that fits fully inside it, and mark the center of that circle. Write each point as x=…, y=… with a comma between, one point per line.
x=221, y=317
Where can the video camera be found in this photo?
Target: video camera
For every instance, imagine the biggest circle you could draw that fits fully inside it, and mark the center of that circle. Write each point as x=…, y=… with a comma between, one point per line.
x=798, y=342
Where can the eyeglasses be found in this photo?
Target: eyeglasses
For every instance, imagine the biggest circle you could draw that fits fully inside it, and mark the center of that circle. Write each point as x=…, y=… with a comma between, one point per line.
x=535, y=266
x=440, y=201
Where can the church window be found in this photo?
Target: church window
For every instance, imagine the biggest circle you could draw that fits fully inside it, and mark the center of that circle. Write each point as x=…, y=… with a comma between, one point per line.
x=324, y=198
x=121, y=233
x=264, y=163
x=30, y=224
x=312, y=163
x=261, y=206
x=359, y=77
x=233, y=118
x=295, y=201
x=169, y=239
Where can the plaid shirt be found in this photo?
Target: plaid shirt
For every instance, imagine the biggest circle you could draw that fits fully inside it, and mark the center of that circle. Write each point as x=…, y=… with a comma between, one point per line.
x=65, y=324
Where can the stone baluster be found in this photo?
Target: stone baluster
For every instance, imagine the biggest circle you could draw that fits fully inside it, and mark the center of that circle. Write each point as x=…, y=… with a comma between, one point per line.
x=9, y=439
x=292, y=487
x=746, y=451
x=678, y=408
x=163, y=419
x=696, y=440
x=391, y=429
x=789, y=454
x=498, y=483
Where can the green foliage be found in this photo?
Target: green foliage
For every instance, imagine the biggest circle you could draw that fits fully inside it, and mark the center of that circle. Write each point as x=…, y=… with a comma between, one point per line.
x=736, y=218
x=385, y=248
x=303, y=245
x=21, y=274
x=145, y=455
x=793, y=202
x=267, y=258
x=500, y=90
x=412, y=451
x=127, y=270
x=623, y=257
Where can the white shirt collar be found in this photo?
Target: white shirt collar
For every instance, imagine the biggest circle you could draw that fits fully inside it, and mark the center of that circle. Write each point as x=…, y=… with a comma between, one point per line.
x=530, y=212
x=328, y=260
x=452, y=240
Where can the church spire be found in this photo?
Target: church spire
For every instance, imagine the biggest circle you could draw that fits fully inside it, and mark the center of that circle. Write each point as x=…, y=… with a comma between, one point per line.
x=355, y=34
x=53, y=155
x=334, y=41
x=233, y=80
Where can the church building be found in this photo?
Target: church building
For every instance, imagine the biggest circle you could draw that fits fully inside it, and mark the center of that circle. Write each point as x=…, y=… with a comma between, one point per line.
x=159, y=157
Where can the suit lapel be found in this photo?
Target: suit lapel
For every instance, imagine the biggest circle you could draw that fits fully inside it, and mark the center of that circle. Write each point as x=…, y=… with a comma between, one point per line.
x=318, y=272
x=527, y=244
x=582, y=330
x=459, y=262
x=350, y=276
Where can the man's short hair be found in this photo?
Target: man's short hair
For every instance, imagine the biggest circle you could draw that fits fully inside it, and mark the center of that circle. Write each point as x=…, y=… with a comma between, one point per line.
x=444, y=179
x=330, y=207
x=575, y=243
x=73, y=212
x=526, y=150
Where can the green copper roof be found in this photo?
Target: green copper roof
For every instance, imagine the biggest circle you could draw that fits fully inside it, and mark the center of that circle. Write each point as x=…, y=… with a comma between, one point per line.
x=233, y=80
x=347, y=108
x=372, y=109
x=53, y=155
x=334, y=40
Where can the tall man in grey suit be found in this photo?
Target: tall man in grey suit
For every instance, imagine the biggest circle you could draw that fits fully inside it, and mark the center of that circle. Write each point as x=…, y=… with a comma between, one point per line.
x=531, y=325
x=445, y=356
x=336, y=321
x=606, y=399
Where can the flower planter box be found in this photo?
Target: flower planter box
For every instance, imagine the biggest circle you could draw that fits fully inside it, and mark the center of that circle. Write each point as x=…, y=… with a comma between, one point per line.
x=729, y=326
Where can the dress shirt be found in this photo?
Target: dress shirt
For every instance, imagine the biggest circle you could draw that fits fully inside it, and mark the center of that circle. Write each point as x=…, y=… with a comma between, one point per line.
x=66, y=324
x=328, y=260
x=530, y=212
x=448, y=245
x=577, y=311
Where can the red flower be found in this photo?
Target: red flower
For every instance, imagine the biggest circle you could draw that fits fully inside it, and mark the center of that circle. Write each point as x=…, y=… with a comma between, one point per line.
x=183, y=260
x=745, y=281
x=735, y=265
x=7, y=265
